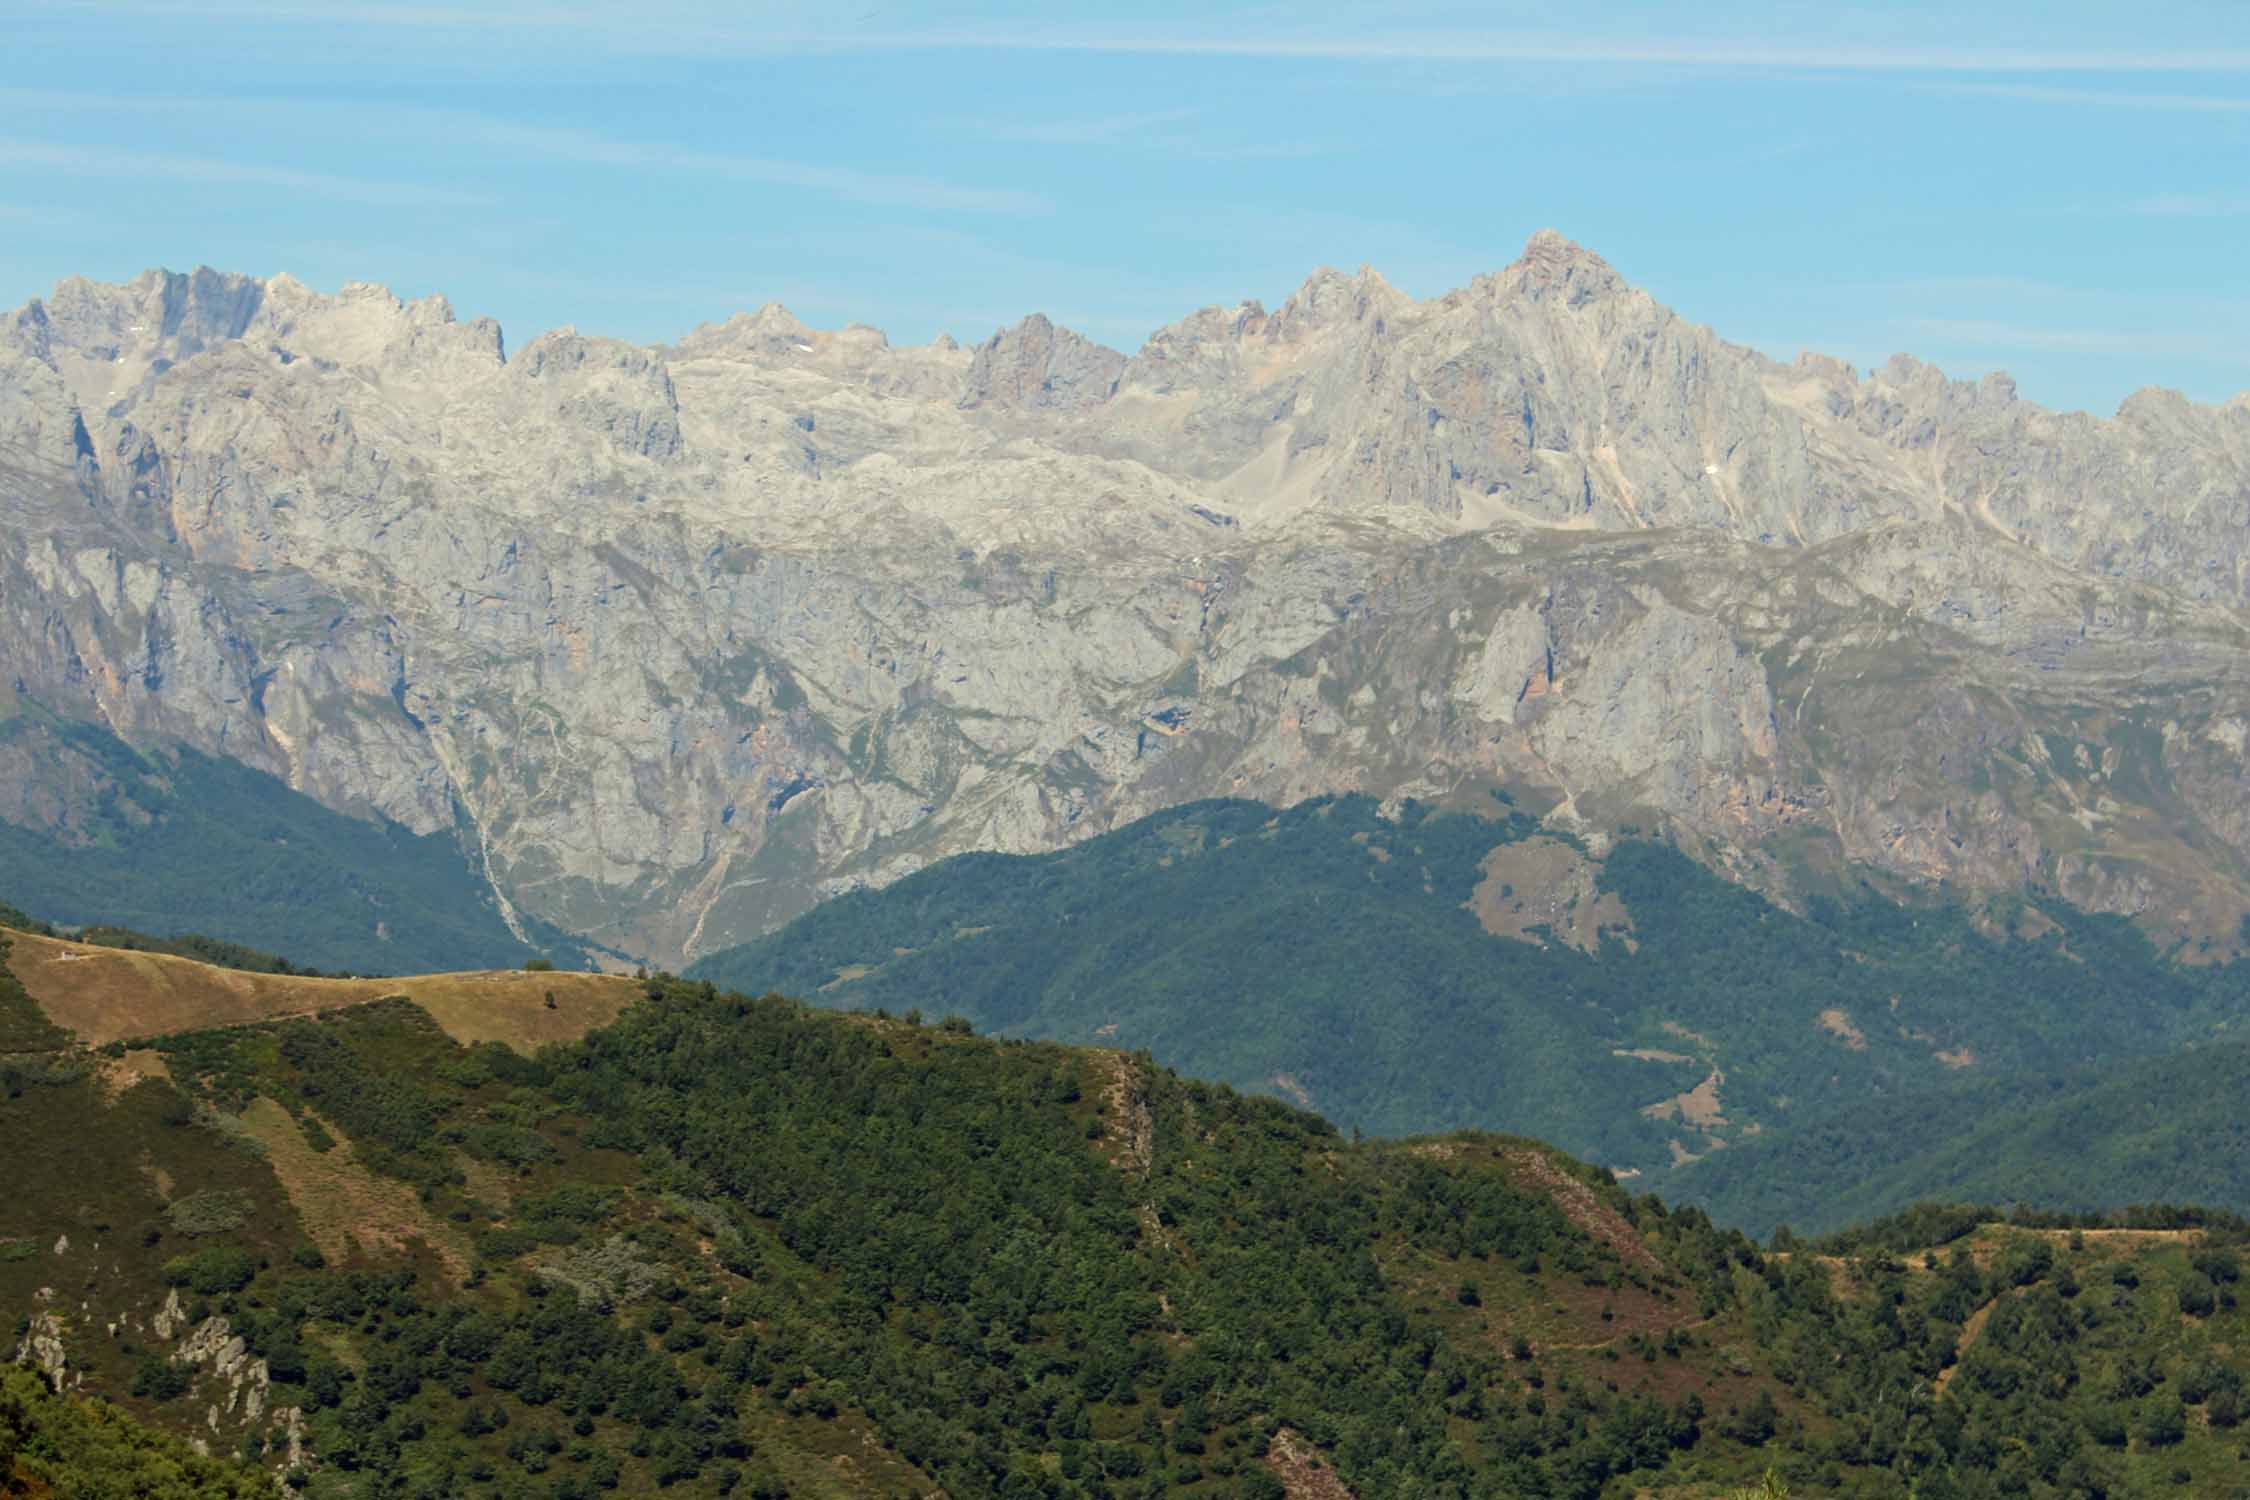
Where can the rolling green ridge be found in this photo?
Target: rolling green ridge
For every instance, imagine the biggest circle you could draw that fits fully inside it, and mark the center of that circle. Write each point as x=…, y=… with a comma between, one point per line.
x=1328, y=952
x=185, y=841
x=2162, y=1129
x=745, y=1246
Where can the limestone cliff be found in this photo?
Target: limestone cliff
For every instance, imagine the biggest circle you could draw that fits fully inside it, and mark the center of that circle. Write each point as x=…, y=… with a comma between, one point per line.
x=677, y=638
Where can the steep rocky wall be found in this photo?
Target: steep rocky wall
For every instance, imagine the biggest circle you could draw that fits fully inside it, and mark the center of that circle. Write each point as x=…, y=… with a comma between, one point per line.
x=679, y=638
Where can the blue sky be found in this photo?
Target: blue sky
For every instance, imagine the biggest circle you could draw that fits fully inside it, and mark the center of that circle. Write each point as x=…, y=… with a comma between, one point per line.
x=2060, y=190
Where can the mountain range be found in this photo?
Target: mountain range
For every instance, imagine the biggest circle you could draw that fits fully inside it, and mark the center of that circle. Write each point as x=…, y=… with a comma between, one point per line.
x=652, y=648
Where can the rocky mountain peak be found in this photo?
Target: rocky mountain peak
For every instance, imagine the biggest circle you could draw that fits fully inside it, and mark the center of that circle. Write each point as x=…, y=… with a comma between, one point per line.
x=1329, y=299
x=772, y=332
x=2158, y=408
x=921, y=600
x=27, y=330
x=1553, y=265
x=1037, y=365
x=1201, y=351
x=367, y=326
x=1904, y=371
x=171, y=312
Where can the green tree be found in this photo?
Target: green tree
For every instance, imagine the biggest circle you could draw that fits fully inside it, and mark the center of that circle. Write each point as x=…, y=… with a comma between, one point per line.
x=2163, y=1422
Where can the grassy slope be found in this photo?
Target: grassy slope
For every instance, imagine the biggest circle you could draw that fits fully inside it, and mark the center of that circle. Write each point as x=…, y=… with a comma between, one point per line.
x=103, y=995
x=1328, y=954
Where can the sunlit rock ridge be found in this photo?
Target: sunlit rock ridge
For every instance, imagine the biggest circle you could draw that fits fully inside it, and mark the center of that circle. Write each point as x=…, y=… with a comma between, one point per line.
x=678, y=638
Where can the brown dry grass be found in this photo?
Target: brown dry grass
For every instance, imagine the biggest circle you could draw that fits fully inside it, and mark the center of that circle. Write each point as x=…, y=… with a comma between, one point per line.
x=2122, y=1239
x=1580, y=1205
x=508, y=1006
x=111, y=995
x=1969, y=1332
x=1985, y=1244
x=119, y=1074
x=342, y=1204
x=1699, y=1106
x=487, y=1183
x=1988, y=1241
x=1837, y=1022
x=1554, y=1314
x=1547, y=883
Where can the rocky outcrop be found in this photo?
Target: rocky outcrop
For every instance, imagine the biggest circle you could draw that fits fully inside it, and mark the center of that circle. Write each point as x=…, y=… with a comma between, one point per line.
x=214, y=1343
x=674, y=640
x=171, y=1316
x=1036, y=365
x=42, y=1349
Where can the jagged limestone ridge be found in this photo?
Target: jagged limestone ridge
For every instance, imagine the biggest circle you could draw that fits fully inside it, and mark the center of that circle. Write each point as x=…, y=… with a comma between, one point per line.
x=678, y=637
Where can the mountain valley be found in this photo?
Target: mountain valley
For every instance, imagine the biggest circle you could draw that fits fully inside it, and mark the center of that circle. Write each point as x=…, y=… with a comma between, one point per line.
x=1426, y=970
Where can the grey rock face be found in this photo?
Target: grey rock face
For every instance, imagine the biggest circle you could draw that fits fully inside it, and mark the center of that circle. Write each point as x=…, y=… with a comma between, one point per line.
x=679, y=638
x=1037, y=365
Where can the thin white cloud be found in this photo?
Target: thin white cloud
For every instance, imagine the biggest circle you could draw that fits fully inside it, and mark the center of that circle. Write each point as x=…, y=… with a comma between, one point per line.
x=677, y=29
x=2193, y=205
x=1108, y=130
x=106, y=161
x=1965, y=286
x=2078, y=98
x=1981, y=333
x=1165, y=131
x=40, y=215
x=586, y=148
x=458, y=128
x=1488, y=47
x=461, y=17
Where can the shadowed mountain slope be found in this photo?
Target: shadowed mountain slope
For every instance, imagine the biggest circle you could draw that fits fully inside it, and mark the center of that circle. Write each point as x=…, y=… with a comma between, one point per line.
x=1431, y=970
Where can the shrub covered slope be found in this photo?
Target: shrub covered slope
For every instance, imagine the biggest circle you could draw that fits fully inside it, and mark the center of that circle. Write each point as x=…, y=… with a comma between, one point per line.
x=745, y=1246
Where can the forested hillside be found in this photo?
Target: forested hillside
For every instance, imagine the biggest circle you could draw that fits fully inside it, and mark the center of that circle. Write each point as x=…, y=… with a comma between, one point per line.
x=187, y=841
x=744, y=1246
x=2168, y=1128
x=56, y=1447
x=1435, y=970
